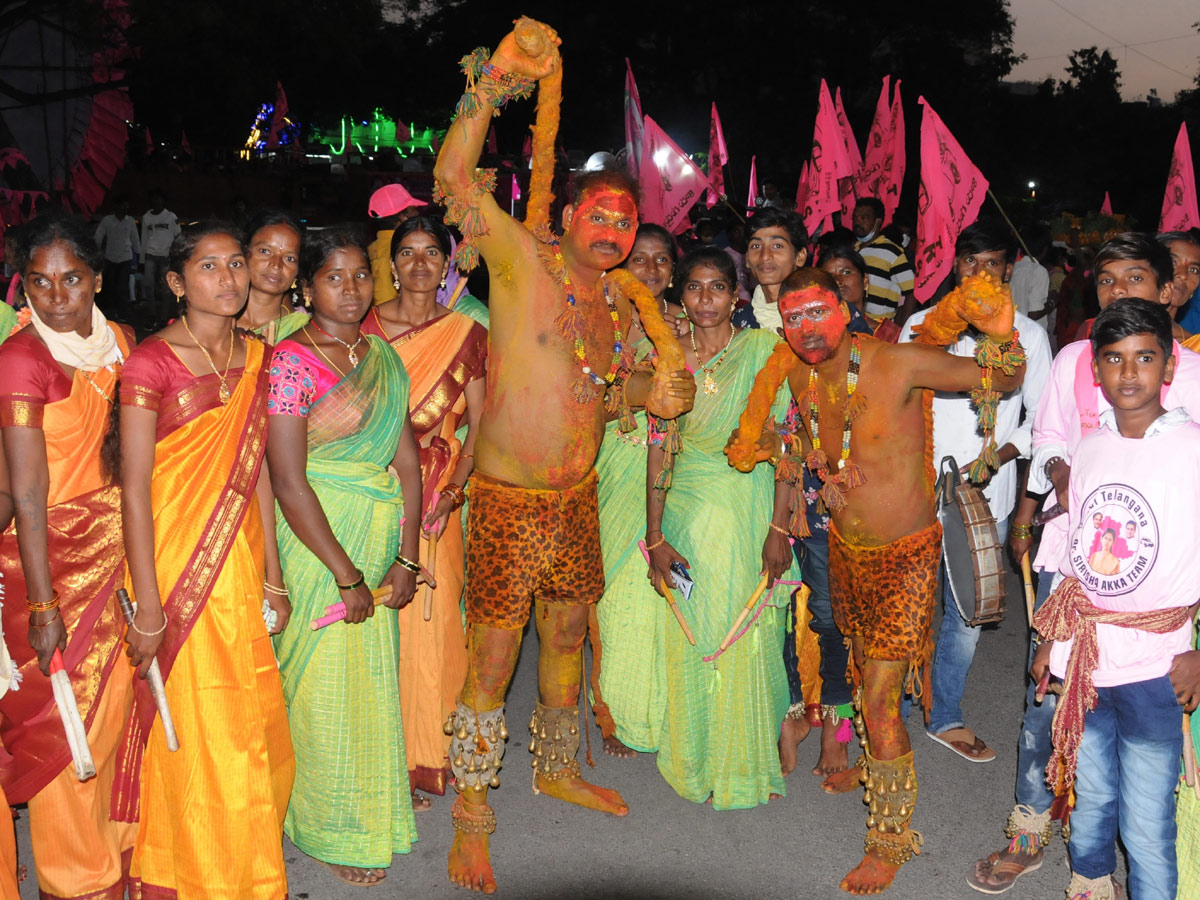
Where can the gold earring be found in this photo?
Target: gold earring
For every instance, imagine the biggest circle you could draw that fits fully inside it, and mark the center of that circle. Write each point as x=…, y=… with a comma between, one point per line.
x=443, y=285
x=671, y=283
x=295, y=284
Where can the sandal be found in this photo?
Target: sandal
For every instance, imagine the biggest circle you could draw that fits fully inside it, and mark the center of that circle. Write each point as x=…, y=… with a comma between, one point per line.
x=1008, y=869
x=965, y=743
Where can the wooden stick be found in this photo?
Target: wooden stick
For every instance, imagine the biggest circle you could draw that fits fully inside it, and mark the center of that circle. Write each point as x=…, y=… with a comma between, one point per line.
x=429, y=588
x=1016, y=233
x=68, y=711
x=1027, y=572
x=1189, y=756
x=670, y=598
x=458, y=290
x=745, y=613
x=154, y=676
x=337, y=612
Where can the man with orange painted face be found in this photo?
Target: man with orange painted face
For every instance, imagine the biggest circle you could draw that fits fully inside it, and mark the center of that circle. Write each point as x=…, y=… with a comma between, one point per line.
x=863, y=407
x=557, y=341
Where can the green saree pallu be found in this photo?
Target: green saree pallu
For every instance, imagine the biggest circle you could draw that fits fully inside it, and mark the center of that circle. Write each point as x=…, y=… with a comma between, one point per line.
x=351, y=803
x=721, y=729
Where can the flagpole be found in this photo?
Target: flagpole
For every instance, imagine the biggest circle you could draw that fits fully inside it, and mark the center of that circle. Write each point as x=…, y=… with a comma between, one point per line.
x=733, y=208
x=1020, y=239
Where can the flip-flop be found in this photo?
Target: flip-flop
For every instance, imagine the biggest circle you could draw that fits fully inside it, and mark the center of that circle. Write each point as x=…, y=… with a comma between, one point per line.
x=975, y=751
x=997, y=866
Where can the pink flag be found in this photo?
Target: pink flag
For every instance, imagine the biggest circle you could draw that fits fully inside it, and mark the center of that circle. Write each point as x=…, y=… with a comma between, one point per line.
x=830, y=162
x=802, y=188
x=951, y=194
x=149, y=142
x=718, y=156
x=671, y=183
x=491, y=141
x=516, y=187
x=277, y=116
x=752, y=200
x=846, y=185
x=893, y=163
x=634, y=130
x=184, y=144
x=883, y=168
x=1179, y=211
x=1106, y=206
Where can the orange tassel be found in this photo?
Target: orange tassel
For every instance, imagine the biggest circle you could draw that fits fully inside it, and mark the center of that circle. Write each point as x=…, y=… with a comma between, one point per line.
x=742, y=449
x=851, y=476
x=835, y=500
x=855, y=406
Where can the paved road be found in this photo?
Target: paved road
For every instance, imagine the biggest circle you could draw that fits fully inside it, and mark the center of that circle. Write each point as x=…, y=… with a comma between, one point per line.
x=795, y=847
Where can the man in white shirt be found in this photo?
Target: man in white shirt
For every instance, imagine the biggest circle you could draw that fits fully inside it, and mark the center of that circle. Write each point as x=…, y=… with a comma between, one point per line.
x=982, y=247
x=1030, y=280
x=159, y=227
x=117, y=236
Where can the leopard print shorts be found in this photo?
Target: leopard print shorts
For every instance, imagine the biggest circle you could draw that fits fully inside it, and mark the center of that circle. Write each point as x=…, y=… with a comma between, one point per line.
x=525, y=544
x=885, y=595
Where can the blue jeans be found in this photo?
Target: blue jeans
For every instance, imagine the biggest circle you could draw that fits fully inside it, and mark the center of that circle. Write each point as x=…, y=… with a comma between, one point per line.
x=1126, y=775
x=1035, y=748
x=952, y=656
x=813, y=554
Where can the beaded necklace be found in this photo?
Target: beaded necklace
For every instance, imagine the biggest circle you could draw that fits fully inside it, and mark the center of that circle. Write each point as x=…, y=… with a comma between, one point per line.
x=848, y=474
x=589, y=385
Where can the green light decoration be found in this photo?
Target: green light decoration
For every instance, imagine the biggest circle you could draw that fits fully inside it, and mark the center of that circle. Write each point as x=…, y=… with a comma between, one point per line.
x=379, y=132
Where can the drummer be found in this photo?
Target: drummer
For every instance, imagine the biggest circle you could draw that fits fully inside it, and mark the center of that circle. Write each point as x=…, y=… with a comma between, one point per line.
x=985, y=246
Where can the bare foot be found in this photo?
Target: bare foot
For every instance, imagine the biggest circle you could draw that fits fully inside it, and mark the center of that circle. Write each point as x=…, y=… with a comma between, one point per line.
x=844, y=782
x=470, y=865
x=871, y=876
x=614, y=747
x=791, y=733
x=574, y=789
x=834, y=756
x=355, y=875
x=421, y=803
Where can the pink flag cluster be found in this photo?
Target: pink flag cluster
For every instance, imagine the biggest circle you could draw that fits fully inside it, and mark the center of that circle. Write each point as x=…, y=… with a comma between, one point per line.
x=1179, y=211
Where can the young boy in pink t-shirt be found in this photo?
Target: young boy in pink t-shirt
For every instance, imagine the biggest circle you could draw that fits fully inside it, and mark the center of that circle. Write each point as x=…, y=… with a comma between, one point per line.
x=1114, y=628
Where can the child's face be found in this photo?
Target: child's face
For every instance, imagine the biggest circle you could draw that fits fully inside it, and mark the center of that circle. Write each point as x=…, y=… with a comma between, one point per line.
x=1117, y=278
x=1131, y=372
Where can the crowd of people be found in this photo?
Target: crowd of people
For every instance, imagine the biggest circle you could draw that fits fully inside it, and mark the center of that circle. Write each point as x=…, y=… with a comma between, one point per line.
x=336, y=486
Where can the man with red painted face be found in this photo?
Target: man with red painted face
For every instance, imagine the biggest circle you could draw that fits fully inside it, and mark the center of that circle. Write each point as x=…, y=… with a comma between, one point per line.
x=863, y=406
x=557, y=326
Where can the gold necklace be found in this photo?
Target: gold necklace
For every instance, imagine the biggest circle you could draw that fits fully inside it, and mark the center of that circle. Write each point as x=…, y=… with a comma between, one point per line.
x=710, y=383
x=99, y=390
x=317, y=347
x=223, y=392
x=350, y=348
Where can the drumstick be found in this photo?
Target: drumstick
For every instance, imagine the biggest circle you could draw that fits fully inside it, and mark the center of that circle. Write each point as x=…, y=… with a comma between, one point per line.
x=1029, y=596
x=670, y=597
x=431, y=557
x=1189, y=755
x=154, y=677
x=337, y=611
x=745, y=613
x=68, y=710
x=458, y=289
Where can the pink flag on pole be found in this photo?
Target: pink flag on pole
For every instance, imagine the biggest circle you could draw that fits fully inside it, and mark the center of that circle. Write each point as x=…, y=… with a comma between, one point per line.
x=752, y=200
x=1106, y=206
x=634, y=129
x=1179, y=211
x=951, y=194
x=802, y=188
x=671, y=183
x=184, y=144
x=278, y=115
x=830, y=162
x=847, y=184
x=149, y=142
x=883, y=165
x=718, y=156
x=893, y=162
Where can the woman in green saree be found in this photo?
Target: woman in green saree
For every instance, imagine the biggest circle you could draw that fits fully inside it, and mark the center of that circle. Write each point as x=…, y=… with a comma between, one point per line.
x=345, y=469
x=724, y=708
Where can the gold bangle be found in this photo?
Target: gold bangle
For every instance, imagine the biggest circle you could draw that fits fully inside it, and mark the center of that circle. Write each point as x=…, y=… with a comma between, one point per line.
x=408, y=564
x=283, y=591
x=783, y=531
x=57, y=615
x=52, y=603
x=662, y=539
x=1021, y=532
x=150, y=633
x=357, y=583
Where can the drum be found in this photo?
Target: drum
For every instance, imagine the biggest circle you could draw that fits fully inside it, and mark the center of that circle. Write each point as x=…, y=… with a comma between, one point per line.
x=971, y=550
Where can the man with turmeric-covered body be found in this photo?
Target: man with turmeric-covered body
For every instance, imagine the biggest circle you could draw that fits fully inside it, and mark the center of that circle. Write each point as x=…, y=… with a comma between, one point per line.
x=532, y=530
x=863, y=407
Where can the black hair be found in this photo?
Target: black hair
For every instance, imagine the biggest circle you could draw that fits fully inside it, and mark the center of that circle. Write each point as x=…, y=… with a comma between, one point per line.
x=874, y=202
x=157, y=192
x=1135, y=245
x=189, y=236
x=1110, y=530
x=846, y=252
x=1129, y=316
x=1190, y=236
x=774, y=217
x=1037, y=238
x=425, y=224
x=650, y=230
x=707, y=256
x=987, y=236
x=319, y=245
x=1131, y=522
x=50, y=228
x=617, y=179
x=266, y=218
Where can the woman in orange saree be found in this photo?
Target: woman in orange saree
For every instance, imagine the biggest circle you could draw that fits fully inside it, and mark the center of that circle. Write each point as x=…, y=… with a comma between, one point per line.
x=445, y=354
x=193, y=436
x=57, y=380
